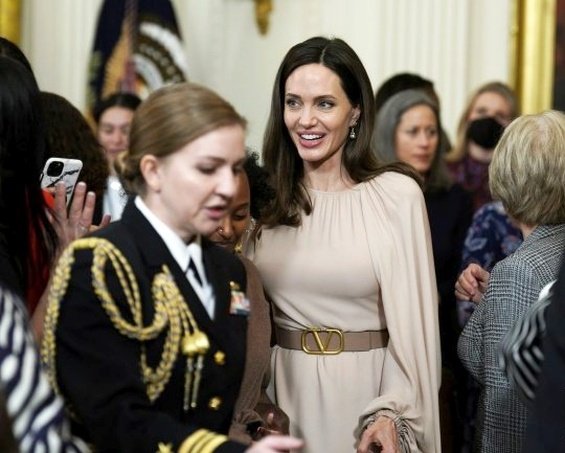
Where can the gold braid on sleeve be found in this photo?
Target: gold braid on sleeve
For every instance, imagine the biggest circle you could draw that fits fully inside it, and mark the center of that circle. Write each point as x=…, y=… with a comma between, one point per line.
x=169, y=305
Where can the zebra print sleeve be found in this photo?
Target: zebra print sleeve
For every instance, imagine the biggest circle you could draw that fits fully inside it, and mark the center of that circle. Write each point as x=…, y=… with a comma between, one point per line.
x=521, y=354
x=35, y=411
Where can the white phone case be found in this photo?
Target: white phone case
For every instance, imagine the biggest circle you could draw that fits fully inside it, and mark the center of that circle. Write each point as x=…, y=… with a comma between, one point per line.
x=61, y=169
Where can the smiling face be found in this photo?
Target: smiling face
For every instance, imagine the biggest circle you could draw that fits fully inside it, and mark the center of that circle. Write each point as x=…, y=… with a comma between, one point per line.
x=416, y=138
x=234, y=224
x=191, y=189
x=113, y=130
x=318, y=115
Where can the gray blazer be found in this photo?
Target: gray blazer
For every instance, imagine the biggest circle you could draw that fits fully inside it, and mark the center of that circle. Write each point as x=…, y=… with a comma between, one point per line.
x=514, y=285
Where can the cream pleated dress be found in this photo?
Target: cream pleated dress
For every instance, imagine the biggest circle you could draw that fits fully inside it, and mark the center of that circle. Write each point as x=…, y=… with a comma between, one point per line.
x=361, y=261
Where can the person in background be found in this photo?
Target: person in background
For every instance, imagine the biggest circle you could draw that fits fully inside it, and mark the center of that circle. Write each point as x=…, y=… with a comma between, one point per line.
x=492, y=235
x=10, y=50
x=253, y=195
x=28, y=241
x=113, y=116
x=262, y=194
x=408, y=81
x=34, y=227
x=489, y=110
x=401, y=82
x=345, y=256
x=408, y=129
x=151, y=299
x=254, y=411
x=527, y=174
x=32, y=417
x=69, y=136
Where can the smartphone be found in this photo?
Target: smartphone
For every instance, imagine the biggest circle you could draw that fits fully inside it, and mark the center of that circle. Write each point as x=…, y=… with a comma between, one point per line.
x=58, y=169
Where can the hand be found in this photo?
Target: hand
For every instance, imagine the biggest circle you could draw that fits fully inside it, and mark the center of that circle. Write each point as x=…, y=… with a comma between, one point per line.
x=78, y=221
x=472, y=283
x=274, y=444
x=275, y=421
x=381, y=433
x=68, y=227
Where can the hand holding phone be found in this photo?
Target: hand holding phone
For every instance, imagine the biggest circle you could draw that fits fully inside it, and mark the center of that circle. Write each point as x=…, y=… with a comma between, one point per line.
x=76, y=221
x=60, y=169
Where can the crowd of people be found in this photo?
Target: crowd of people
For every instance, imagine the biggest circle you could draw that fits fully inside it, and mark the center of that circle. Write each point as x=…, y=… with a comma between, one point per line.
x=360, y=285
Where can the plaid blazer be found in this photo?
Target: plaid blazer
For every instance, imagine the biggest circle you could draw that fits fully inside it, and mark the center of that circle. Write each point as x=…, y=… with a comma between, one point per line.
x=514, y=285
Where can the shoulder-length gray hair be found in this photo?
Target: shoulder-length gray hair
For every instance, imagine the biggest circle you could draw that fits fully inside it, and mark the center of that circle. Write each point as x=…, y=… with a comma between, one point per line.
x=384, y=136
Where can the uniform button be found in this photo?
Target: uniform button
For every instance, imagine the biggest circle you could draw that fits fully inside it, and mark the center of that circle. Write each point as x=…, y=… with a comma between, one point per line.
x=165, y=448
x=220, y=358
x=215, y=403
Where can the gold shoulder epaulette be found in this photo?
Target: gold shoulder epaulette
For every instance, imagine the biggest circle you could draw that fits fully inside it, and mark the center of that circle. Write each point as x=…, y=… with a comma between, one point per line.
x=170, y=309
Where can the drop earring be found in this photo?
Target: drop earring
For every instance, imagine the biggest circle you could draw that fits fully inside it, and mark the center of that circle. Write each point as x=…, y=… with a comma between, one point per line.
x=352, y=134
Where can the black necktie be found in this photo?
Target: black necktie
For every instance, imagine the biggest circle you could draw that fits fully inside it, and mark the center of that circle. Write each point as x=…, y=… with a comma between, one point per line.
x=192, y=267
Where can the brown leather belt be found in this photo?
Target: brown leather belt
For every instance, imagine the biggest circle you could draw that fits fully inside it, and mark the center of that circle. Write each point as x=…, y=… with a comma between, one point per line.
x=329, y=341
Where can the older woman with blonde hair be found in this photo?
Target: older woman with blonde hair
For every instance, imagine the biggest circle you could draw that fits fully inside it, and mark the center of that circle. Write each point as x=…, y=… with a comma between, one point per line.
x=527, y=174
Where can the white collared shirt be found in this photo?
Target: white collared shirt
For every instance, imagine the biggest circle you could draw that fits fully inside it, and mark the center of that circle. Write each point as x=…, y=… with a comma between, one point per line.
x=115, y=198
x=182, y=255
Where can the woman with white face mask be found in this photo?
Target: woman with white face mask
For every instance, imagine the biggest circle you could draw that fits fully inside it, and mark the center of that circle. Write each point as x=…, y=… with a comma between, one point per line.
x=146, y=324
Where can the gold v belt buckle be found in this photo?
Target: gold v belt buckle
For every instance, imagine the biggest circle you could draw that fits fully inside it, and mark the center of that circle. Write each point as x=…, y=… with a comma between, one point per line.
x=322, y=346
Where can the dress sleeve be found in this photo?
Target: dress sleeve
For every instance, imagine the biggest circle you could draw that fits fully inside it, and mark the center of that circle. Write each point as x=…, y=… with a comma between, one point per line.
x=400, y=246
x=479, y=244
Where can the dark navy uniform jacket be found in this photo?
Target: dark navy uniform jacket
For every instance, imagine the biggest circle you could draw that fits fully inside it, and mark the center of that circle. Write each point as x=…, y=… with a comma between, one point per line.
x=98, y=367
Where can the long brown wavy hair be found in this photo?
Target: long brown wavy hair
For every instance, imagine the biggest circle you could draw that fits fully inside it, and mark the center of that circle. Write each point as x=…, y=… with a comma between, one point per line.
x=280, y=156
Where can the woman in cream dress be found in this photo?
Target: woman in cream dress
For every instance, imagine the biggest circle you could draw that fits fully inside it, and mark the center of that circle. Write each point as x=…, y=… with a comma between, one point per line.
x=344, y=254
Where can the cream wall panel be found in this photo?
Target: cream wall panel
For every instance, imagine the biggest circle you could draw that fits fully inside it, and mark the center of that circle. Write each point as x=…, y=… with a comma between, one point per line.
x=457, y=43
x=57, y=38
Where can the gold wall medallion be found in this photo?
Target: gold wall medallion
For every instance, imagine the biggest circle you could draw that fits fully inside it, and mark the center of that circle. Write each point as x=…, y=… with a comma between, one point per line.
x=263, y=9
